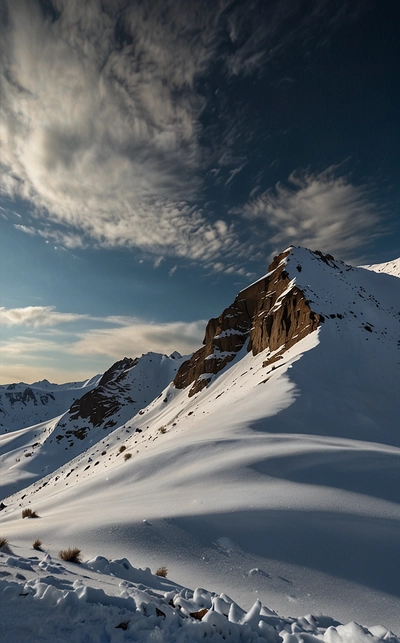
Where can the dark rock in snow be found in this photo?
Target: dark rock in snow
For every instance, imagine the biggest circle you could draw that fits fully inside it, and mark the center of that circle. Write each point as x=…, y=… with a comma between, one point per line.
x=271, y=313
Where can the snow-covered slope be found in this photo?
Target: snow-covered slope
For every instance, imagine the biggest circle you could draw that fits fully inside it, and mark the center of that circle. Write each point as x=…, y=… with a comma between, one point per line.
x=389, y=267
x=129, y=385
x=278, y=478
x=23, y=405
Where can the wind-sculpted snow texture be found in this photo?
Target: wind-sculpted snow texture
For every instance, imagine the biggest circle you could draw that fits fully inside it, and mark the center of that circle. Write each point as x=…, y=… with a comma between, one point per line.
x=110, y=600
x=278, y=481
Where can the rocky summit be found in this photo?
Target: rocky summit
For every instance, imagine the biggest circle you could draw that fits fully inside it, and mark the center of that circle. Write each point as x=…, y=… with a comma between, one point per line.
x=270, y=314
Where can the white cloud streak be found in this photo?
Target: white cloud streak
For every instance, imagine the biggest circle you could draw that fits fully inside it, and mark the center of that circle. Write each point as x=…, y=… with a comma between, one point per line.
x=319, y=210
x=79, y=354
x=48, y=316
x=122, y=334
x=100, y=114
x=37, y=316
x=100, y=123
x=141, y=337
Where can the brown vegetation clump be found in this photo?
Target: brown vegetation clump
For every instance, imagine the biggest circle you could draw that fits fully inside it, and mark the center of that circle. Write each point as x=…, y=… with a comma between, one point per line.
x=37, y=545
x=71, y=555
x=162, y=571
x=122, y=448
x=127, y=456
x=199, y=615
x=5, y=546
x=29, y=513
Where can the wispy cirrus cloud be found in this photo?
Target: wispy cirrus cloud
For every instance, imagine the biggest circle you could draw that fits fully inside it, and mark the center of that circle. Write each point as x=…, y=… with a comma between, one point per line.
x=101, y=114
x=317, y=210
x=279, y=25
x=101, y=122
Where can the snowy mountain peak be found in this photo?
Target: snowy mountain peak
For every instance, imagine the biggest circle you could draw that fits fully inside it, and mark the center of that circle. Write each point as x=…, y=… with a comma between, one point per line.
x=301, y=290
x=271, y=314
x=130, y=383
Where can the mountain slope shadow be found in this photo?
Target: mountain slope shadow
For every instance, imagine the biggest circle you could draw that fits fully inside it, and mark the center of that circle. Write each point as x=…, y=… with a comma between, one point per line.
x=361, y=549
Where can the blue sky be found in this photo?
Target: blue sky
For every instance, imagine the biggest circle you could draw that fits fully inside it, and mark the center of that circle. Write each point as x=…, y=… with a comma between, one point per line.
x=155, y=155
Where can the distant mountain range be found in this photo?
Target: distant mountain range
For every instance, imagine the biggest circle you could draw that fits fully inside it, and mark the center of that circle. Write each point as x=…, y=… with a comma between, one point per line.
x=276, y=445
x=23, y=404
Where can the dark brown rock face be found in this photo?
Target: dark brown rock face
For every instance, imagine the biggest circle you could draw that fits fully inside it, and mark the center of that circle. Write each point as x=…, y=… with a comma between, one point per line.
x=269, y=314
x=117, y=369
x=103, y=401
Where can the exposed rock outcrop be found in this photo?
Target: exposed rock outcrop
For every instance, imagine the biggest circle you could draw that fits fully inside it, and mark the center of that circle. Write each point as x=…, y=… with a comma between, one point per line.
x=27, y=396
x=105, y=400
x=273, y=313
x=117, y=369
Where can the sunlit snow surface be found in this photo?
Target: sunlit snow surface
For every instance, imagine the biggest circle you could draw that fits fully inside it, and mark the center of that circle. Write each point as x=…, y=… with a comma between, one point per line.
x=276, y=483
x=389, y=267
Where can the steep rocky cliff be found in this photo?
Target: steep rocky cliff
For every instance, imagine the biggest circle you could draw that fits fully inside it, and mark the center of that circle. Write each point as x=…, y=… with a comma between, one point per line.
x=272, y=313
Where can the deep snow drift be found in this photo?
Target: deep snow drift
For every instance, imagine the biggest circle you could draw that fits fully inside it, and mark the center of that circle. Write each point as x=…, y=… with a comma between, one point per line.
x=45, y=599
x=279, y=483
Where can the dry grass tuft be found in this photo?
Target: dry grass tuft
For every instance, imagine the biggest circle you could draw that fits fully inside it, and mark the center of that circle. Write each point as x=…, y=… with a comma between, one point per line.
x=72, y=555
x=162, y=571
x=162, y=429
x=5, y=546
x=127, y=456
x=121, y=448
x=29, y=513
x=37, y=545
